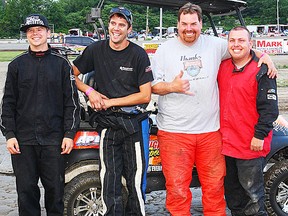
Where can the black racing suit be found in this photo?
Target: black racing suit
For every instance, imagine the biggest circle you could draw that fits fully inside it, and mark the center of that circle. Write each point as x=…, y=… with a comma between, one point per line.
x=40, y=107
x=124, y=137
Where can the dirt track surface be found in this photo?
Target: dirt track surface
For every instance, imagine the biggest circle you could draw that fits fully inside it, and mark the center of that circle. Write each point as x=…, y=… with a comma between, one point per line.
x=282, y=80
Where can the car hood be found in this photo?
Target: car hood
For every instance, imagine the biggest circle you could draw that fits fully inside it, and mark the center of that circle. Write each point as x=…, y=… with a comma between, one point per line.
x=280, y=126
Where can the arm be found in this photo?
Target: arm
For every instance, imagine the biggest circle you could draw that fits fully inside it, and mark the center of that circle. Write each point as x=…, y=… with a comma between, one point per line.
x=8, y=110
x=9, y=101
x=265, y=59
x=141, y=97
x=178, y=85
x=71, y=105
x=95, y=98
x=267, y=107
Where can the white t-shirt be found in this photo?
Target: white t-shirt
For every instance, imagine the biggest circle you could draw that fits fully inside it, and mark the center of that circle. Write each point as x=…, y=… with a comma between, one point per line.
x=200, y=63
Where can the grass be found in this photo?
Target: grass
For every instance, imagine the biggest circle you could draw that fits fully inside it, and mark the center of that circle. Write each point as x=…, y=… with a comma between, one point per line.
x=6, y=56
x=282, y=67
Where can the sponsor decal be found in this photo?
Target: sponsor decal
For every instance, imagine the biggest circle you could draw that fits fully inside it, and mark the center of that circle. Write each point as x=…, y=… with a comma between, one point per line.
x=148, y=69
x=271, y=91
x=122, y=68
x=154, y=155
x=154, y=169
x=86, y=139
x=271, y=97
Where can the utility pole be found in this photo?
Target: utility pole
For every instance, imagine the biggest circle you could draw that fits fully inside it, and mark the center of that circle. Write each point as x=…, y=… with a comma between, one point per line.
x=277, y=11
x=147, y=20
x=160, y=33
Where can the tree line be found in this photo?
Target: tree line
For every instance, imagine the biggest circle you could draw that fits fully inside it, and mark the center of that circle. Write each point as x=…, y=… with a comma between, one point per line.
x=66, y=14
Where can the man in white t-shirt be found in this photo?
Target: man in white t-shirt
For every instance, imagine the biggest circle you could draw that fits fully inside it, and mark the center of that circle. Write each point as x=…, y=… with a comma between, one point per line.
x=185, y=76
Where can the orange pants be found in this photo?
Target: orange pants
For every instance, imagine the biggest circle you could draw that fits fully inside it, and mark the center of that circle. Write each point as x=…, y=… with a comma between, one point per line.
x=179, y=152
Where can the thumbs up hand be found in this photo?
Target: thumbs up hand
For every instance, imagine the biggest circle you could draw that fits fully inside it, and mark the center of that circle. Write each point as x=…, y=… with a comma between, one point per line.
x=180, y=85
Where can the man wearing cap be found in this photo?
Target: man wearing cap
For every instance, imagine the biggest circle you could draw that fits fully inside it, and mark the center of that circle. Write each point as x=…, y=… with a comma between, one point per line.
x=39, y=118
x=123, y=78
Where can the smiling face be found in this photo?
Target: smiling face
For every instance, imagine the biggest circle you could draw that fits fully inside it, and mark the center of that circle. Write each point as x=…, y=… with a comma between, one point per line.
x=118, y=30
x=189, y=28
x=239, y=44
x=37, y=38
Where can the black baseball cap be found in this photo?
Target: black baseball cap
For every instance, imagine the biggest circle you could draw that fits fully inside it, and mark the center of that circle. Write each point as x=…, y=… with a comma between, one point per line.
x=124, y=12
x=34, y=20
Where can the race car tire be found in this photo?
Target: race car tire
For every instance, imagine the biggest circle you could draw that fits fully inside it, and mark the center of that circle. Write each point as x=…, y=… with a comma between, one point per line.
x=276, y=189
x=82, y=196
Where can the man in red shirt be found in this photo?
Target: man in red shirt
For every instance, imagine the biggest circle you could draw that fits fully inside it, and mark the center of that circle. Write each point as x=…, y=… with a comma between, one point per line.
x=248, y=108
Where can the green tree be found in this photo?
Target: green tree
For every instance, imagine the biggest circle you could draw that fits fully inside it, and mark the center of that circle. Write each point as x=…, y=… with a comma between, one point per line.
x=16, y=10
x=265, y=12
x=66, y=14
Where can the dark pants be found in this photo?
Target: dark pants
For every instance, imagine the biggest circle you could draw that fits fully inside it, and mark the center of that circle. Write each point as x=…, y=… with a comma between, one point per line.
x=46, y=163
x=244, y=186
x=124, y=155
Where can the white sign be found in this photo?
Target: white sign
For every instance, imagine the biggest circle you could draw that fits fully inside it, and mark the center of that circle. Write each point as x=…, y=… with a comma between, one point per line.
x=270, y=46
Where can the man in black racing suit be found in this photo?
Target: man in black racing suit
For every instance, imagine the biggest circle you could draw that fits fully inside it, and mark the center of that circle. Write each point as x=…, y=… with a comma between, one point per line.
x=39, y=118
x=123, y=77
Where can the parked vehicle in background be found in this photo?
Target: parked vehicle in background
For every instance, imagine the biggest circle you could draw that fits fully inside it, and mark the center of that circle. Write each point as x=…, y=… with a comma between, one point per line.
x=172, y=32
x=75, y=31
x=78, y=40
x=269, y=30
x=133, y=34
x=75, y=43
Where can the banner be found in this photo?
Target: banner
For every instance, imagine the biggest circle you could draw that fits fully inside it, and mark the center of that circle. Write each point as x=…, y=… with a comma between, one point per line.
x=272, y=45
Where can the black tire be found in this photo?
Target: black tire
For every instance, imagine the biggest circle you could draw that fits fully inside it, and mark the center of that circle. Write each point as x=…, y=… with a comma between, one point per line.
x=82, y=196
x=276, y=189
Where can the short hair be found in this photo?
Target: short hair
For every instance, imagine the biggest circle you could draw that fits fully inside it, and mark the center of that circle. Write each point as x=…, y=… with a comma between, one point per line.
x=239, y=28
x=190, y=8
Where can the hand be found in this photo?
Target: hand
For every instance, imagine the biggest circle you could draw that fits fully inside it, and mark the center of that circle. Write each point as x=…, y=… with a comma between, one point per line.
x=13, y=146
x=107, y=103
x=180, y=85
x=67, y=145
x=96, y=100
x=272, y=71
x=256, y=144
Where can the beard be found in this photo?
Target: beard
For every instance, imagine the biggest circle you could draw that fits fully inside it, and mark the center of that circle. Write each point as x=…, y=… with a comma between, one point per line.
x=190, y=38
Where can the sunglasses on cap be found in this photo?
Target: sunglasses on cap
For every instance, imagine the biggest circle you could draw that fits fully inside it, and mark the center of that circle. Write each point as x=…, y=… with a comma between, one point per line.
x=124, y=12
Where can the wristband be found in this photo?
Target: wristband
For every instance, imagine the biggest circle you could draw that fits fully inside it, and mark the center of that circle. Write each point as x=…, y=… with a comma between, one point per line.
x=262, y=55
x=88, y=91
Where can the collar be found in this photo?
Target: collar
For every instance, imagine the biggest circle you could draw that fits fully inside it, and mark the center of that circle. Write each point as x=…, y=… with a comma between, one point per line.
x=40, y=54
x=253, y=58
